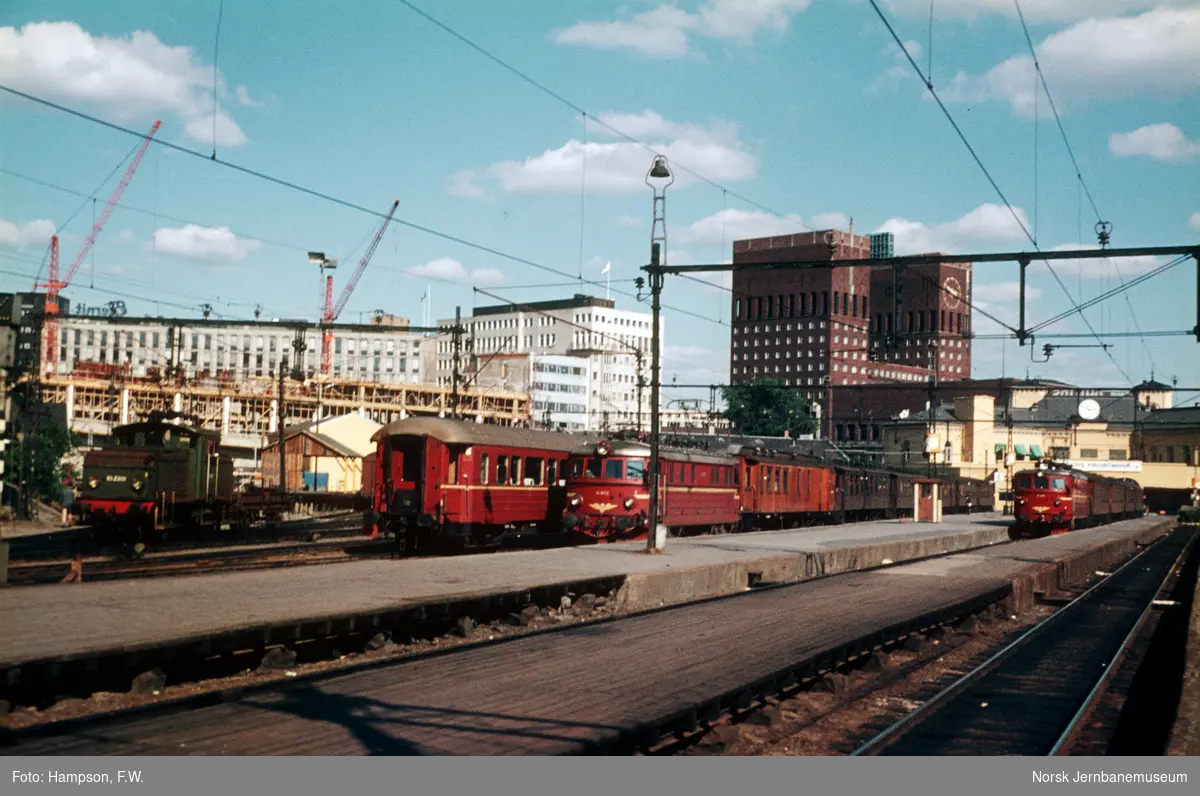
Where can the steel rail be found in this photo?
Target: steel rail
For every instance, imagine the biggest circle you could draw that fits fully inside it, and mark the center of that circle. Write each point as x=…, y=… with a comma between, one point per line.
x=879, y=742
x=1114, y=664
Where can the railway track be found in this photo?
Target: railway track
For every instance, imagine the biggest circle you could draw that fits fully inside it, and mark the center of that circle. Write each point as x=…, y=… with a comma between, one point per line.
x=1037, y=695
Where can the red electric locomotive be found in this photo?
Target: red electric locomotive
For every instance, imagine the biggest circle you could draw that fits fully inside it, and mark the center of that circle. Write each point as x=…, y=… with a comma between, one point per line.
x=608, y=497
x=1055, y=499
x=462, y=484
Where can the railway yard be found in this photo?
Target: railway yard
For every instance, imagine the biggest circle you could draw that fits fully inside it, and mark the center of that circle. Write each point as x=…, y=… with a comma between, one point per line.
x=881, y=637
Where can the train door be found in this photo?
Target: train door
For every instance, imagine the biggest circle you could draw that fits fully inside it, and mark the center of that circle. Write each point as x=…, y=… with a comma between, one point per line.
x=403, y=462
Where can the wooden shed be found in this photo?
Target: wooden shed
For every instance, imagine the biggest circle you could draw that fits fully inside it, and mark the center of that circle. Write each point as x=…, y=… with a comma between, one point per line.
x=322, y=457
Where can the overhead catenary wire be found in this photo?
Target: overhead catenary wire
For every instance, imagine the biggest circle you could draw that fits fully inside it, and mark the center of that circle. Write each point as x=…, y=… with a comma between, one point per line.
x=158, y=140
x=578, y=109
x=1016, y=217
x=1081, y=184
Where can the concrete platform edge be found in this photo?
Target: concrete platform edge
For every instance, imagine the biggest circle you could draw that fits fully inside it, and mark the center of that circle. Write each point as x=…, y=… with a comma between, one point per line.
x=646, y=590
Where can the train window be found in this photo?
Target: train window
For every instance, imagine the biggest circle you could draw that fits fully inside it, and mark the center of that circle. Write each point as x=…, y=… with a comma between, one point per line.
x=514, y=470
x=1024, y=482
x=614, y=468
x=785, y=483
x=551, y=471
x=533, y=471
x=452, y=476
x=776, y=479
x=501, y=469
x=1058, y=482
x=635, y=470
x=483, y=469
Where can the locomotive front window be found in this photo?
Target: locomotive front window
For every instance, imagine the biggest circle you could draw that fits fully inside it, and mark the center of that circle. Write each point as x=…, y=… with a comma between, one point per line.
x=635, y=469
x=1058, y=482
x=614, y=468
x=1024, y=482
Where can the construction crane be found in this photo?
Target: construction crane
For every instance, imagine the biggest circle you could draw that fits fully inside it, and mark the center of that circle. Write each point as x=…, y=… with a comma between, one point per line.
x=333, y=311
x=53, y=284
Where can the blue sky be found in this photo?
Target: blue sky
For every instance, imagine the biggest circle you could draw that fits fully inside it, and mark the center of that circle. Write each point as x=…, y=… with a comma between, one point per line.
x=807, y=109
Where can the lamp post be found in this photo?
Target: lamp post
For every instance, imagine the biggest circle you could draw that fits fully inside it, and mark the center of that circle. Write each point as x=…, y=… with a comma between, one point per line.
x=659, y=178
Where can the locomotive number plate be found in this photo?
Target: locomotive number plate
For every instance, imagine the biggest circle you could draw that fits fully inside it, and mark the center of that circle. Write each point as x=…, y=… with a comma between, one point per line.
x=117, y=479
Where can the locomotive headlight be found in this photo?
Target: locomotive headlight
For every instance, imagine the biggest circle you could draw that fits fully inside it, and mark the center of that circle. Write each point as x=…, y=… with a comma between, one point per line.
x=93, y=482
x=574, y=501
x=137, y=486
x=1057, y=502
x=629, y=503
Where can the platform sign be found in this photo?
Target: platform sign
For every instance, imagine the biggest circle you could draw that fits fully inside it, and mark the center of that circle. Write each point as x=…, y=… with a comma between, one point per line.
x=1105, y=466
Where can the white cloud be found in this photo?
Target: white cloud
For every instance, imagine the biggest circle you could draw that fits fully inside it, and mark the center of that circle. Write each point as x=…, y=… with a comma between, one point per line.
x=620, y=167
x=448, y=269
x=463, y=183
x=244, y=98
x=20, y=235
x=1109, y=268
x=629, y=221
x=227, y=131
x=733, y=224
x=1151, y=54
x=988, y=223
x=665, y=31
x=1194, y=221
x=1034, y=12
x=1158, y=141
x=659, y=33
x=130, y=77
x=126, y=236
x=203, y=244
x=830, y=221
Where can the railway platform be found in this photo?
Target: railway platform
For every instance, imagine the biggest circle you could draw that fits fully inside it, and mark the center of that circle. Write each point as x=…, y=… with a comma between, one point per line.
x=52, y=624
x=593, y=687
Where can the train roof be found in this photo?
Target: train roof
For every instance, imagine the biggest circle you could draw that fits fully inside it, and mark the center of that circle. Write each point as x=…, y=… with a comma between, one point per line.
x=461, y=432
x=642, y=449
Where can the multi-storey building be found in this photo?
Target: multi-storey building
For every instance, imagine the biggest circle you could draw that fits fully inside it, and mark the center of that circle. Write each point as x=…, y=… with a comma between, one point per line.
x=238, y=350
x=558, y=386
x=580, y=337
x=819, y=329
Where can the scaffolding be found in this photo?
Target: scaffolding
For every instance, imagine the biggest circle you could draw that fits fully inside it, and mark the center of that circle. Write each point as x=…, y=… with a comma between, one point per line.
x=246, y=412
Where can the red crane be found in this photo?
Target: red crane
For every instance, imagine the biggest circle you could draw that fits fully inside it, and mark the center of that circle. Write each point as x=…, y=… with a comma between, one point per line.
x=332, y=311
x=53, y=284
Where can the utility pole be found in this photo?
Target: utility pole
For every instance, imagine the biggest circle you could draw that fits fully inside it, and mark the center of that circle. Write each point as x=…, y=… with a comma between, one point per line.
x=641, y=381
x=456, y=376
x=656, y=286
x=283, y=363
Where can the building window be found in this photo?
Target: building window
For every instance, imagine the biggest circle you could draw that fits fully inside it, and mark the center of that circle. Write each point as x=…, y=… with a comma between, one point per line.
x=1117, y=455
x=1088, y=453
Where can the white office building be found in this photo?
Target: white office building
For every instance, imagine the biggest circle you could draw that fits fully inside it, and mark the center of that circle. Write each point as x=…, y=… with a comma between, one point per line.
x=580, y=337
x=239, y=350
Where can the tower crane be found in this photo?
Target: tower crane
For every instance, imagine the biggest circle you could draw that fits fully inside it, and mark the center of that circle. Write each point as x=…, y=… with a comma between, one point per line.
x=53, y=284
x=333, y=311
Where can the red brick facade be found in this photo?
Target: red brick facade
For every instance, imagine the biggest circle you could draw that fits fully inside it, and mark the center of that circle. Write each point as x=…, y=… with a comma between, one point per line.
x=812, y=328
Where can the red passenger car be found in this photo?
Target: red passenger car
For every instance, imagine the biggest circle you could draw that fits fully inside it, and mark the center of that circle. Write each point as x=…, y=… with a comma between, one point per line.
x=464, y=484
x=782, y=491
x=608, y=498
